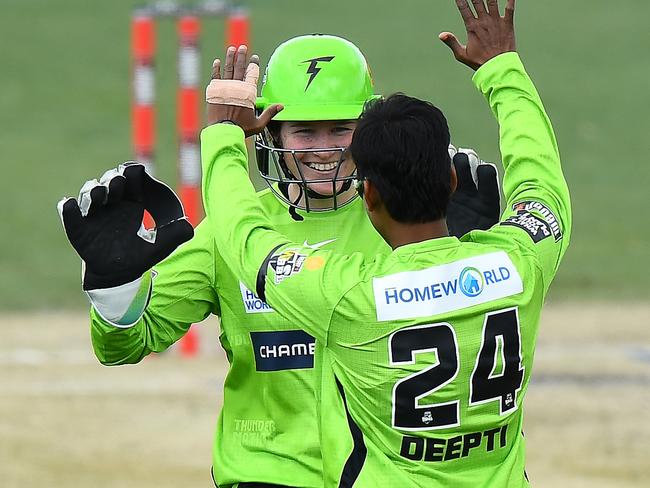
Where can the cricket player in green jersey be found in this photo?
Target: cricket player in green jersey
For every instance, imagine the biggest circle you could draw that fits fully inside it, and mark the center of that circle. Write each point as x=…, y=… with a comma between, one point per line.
x=267, y=430
x=424, y=354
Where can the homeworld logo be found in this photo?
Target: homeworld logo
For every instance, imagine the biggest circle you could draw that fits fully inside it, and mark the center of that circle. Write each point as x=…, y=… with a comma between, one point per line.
x=447, y=287
x=252, y=303
x=471, y=282
x=313, y=69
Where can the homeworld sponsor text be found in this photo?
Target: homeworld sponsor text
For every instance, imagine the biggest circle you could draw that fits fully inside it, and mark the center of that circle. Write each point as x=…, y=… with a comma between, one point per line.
x=252, y=303
x=446, y=287
x=471, y=282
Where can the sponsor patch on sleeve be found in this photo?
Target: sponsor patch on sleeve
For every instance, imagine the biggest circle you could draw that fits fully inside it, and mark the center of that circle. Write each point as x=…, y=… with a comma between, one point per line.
x=536, y=228
x=536, y=219
x=286, y=263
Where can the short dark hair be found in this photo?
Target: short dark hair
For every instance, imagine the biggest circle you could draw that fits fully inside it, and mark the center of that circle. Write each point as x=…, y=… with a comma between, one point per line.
x=401, y=145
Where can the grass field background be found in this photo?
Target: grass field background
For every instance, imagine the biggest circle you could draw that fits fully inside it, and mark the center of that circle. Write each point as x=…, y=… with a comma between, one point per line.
x=64, y=93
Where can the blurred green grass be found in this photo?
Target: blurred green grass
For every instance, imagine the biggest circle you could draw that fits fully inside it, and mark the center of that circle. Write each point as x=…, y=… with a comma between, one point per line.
x=64, y=117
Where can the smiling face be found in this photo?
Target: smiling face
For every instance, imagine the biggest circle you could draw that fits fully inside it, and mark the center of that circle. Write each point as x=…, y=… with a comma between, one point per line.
x=322, y=165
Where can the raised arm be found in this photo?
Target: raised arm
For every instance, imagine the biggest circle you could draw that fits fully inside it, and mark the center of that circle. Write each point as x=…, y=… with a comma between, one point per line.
x=145, y=288
x=287, y=275
x=537, y=197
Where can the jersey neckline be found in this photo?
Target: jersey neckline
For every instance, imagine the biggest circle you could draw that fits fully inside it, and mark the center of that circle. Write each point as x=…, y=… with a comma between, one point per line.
x=429, y=245
x=315, y=215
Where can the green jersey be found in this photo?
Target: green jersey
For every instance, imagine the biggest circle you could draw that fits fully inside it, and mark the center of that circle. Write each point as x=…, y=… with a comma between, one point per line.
x=267, y=430
x=424, y=354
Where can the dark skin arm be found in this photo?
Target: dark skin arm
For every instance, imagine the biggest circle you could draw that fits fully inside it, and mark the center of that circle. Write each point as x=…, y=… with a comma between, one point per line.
x=488, y=33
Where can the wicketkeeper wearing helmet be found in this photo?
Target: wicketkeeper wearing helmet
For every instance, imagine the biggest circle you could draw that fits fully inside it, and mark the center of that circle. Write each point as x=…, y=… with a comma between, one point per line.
x=323, y=83
x=144, y=298
x=322, y=96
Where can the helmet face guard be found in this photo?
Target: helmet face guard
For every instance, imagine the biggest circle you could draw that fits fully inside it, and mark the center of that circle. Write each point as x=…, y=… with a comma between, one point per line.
x=273, y=168
x=315, y=78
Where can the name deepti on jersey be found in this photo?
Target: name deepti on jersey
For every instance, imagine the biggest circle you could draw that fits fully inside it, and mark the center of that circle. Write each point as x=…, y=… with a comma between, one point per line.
x=445, y=288
x=434, y=449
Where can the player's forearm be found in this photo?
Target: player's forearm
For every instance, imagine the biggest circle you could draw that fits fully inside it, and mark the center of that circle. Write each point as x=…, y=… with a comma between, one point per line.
x=182, y=293
x=116, y=321
x=119, y=345
x=113, y=345
x=243, y=233
x=528, y=146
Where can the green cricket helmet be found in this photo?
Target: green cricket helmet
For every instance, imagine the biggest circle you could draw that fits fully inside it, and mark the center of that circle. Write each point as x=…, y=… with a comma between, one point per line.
x=315, y=77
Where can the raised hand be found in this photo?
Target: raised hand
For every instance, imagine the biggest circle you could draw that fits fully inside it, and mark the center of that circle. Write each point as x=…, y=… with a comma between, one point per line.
x=104, y=225
x=488, y=34
x=231, y=96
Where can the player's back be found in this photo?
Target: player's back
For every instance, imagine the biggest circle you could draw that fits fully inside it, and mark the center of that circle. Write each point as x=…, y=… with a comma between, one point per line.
x=432, y=352
x=427, y=352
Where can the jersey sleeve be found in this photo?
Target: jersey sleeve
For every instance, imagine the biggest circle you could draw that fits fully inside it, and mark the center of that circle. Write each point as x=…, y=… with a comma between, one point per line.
x=538, y=207
x=300, y=283
x=183, y=293
x=306, y=285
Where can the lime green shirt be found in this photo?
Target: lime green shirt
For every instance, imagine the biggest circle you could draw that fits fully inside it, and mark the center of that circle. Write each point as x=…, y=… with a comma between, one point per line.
x=267, y=429
x=423, y=354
